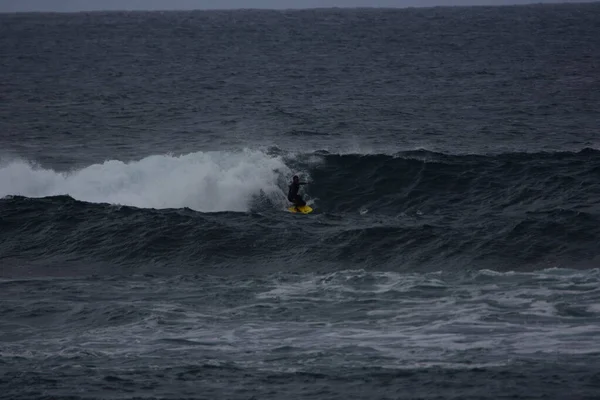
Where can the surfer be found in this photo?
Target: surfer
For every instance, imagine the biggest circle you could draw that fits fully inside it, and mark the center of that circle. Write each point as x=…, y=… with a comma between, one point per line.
x=293, y=195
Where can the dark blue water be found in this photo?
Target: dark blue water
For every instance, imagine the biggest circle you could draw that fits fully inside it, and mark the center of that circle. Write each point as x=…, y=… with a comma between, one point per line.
x=453, y=163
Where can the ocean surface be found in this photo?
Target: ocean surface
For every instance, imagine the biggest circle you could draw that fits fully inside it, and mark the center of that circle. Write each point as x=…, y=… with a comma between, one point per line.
x=453, y=163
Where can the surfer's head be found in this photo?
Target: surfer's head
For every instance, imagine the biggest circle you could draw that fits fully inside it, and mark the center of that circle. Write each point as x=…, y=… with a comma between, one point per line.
x=295, y=178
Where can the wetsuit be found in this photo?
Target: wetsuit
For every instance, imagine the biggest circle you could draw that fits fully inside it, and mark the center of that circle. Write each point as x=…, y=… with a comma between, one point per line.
x=293, y=195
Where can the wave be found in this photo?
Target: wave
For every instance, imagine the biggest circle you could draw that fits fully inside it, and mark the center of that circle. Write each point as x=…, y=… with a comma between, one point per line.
x=418, y=211
x=409, y=180
x=423, y=181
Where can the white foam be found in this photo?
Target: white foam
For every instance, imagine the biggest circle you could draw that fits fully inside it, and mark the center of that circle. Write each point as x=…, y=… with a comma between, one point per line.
x=203, y=181
x=516, y=315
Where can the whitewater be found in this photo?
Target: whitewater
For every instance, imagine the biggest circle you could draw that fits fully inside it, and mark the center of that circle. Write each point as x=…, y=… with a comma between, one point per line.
x=209, y=181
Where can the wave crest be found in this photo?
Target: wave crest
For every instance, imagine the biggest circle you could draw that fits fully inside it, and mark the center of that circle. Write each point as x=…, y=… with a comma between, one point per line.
x=202, y=181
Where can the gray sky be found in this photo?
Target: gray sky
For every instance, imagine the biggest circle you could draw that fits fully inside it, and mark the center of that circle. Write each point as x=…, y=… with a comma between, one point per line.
x=93, y=5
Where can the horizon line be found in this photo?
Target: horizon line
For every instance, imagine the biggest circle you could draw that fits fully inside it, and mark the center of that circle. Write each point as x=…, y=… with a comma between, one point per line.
x=171, y=10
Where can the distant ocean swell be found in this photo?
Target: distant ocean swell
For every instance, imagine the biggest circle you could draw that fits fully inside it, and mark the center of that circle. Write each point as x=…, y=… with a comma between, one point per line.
x=413, y=210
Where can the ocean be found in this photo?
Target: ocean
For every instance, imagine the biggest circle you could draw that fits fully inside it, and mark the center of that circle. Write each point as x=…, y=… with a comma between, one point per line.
x=452, y=156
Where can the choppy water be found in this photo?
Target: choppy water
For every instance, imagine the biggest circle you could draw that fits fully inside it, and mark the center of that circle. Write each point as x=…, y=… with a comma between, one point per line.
x=451, y=154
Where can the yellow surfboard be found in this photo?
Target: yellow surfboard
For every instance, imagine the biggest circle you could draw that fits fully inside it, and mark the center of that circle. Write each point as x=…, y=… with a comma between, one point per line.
x=302, y=209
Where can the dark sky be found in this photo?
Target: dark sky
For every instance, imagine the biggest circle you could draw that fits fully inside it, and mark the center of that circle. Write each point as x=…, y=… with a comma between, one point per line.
x=89, y=5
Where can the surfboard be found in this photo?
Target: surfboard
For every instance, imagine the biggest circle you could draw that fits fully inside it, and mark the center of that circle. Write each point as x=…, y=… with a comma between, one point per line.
x=301, y=209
